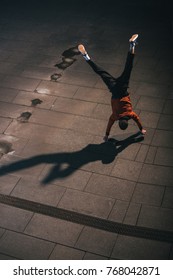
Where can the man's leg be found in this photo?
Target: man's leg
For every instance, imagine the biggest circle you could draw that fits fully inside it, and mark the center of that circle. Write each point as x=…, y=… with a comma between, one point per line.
x=125, y=76
x=108, y=79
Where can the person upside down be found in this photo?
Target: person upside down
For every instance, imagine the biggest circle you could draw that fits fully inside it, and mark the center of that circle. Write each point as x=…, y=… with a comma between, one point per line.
x=120, y=101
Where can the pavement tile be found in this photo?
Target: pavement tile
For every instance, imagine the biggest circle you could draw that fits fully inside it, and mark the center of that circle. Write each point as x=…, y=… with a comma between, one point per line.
x=7, y=94
x=149, y=119
x=127, y=169
x=18, y=144
x=7, y=183
x=164, y=156
x=76, y=107
x=163, y=138
x=152, y=90
x=90, y=256
x=148, y=194
x=132, y=213
x=93, y=95
x=20, y=166
x=142, y=153
x=96, y=241
x=151, y=154
x=57, y=89
x=88, y=125
x=168, y=107
x=1, y=232
x=37, y=72
x=119, y=210
x=127, y=248
x=151, y=104
x=61, y=252
x=101, y=111
x=30, y=188
x=75, y=179
x=78, y=78
x=156, y=217
x=159, y=175
x=165, y=122
x=168, y=198
x=14, y=218
x=25, y=98
x=130, y=152
x=5, y=257
x=56, y=119
x=86, y=203
x=110, y=187
x=25, y=247
x=20, y=83
x=52, y=229
x=12, y=110
x=4, y=123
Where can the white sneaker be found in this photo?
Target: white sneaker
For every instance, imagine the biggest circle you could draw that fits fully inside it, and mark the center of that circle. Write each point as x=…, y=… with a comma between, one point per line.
x=133, y=38
x=82, y=50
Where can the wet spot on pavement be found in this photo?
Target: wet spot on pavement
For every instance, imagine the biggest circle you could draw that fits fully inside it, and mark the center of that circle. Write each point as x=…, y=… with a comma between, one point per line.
x=36, y=101
x=55, y=77
x=5, y=147
x=24, y=117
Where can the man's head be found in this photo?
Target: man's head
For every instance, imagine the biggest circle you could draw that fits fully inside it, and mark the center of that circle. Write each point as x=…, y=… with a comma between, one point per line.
x=123, y=123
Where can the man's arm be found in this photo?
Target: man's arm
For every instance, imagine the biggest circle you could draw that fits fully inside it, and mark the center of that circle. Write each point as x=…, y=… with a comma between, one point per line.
x=135, y=117
x=111, y=121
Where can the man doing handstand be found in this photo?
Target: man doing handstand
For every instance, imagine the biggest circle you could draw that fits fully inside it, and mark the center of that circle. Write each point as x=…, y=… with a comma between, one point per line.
x=120, y=101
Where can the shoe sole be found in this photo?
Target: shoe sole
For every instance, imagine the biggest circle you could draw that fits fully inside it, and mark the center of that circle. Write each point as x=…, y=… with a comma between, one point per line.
x=82, y=50
x=133, y=38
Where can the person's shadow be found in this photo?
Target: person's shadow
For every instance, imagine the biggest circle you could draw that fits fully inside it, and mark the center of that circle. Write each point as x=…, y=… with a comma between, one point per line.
x=104, y=152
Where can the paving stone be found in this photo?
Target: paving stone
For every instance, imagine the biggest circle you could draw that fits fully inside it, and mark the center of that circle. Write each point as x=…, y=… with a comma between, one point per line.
x=148, y=194
x=119, y=210
x=132, y=214
x=133, y=248
x=29, y=188
x=126, y=169
x=7, y=183
x=149, y=119
x=96, y=241
x=78, y=78
x=150, y=104
x=75, y=179
x=37, y=72
x=25, y=247
x=156, y=217
x=86, y=203
x=18, y=144
x=168, y=198
x=72, y=106
x=57, y=89
x=1, y=232
x=166, y=122
x=168, y=107
x=110, y=187
x=142, y=153
x=89, y=125
x=164, y=156
x=12, y=110
x=93, y=95
x=20, y=83
x=66, y=253
x=159, y=175
x=151, y=154
x=56, y=119
x=14, y=218
x=163, y=138
x=130, y=152
x=25, y=98
x=4, y=123
x=20, y=166
x=52, y=229
x=7, y=94
x=152, y=90
x=90, y=256
x=5, y=257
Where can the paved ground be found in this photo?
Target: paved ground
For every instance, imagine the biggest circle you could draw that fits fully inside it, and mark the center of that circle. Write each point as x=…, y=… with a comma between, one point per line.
x=51, y=130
